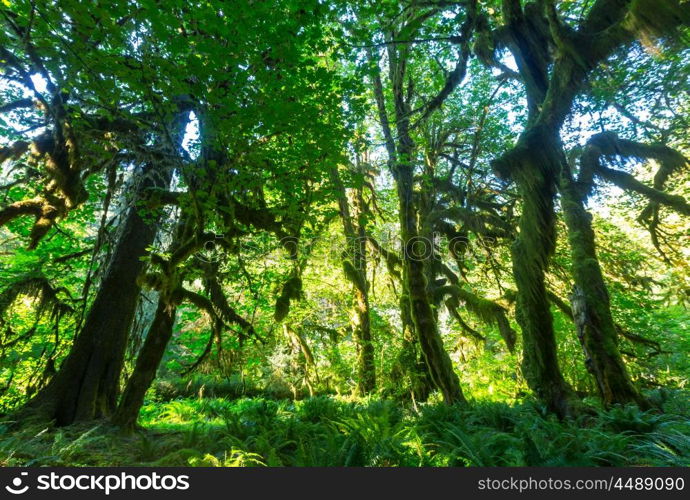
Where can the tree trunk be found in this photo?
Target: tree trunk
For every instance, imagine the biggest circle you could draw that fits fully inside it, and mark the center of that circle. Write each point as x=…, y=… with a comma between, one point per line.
x=160, y=331
x=355, y=268
x=366, y=379
x=148, y=360
x=530, y=255
x=411, y=362
x=591, y=307
x=87, y=383
x=401, y=162
x=437, y=360
x=552, y=79
x=367, y=367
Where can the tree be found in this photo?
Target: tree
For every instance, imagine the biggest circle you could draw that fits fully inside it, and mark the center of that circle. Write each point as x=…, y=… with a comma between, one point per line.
x=536, y=163
x=355, y=269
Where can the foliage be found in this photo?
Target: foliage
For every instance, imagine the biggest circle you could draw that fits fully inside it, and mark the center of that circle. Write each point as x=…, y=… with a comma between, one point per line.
x=289, y=158
x=329, y=431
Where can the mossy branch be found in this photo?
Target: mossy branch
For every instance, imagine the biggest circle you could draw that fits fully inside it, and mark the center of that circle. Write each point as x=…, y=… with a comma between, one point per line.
x=292, y=290
x=486, y=310
x=609, y=144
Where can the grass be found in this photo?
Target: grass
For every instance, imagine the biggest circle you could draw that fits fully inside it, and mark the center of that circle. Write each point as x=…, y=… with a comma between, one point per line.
x=330, y=431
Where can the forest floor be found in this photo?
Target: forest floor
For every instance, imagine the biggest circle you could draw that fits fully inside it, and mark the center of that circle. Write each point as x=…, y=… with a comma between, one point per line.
x=334, y=431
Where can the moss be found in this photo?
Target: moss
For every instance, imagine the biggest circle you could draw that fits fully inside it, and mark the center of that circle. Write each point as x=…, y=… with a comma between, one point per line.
x=354, y=276
x=590, y=304
x=292, y=290
x=487, y=311
x=656, y=17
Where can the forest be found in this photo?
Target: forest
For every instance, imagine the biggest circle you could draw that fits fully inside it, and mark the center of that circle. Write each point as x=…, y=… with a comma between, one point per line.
x=327, y=233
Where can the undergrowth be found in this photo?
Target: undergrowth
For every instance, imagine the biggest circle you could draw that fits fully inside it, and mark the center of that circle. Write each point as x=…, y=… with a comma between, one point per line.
x=330, y=431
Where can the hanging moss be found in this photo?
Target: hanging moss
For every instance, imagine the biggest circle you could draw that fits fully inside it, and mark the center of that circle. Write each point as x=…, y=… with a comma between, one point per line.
x=487, y=311
x=292, y=290
x=38, y=288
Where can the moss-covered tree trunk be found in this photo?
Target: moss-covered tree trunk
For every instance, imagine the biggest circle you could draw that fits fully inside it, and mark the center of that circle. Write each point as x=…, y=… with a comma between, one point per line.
x=87, y=384
x=590, y=302
x=410, y=363
x=533, y=165
x=531, y=252
x=438, y=362
x=148, y=360
x=169, y=283
x=355, y=268
x=367, y=367
x=415, y=291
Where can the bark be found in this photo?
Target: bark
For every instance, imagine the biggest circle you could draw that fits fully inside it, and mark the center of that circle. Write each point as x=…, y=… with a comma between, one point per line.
x=408, y=363
x=87, y=383
x=20, y=208
x=531, y=165
x=148, y=359
x=609, y=144
x=531, y=252
x=411, y=365
x=438, y=362
x=355, y=267
x=366, y=369
x=45, y=213
x=415, y=286
x=487, y=311
x=305, y=359
x=590, y=303
x=169, y=285
x=626, y=181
